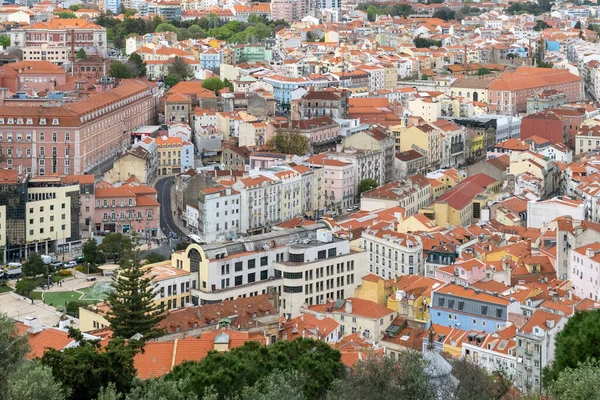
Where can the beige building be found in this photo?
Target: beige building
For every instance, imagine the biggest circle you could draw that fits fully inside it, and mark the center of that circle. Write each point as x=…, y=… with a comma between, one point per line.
x=93, y=317
x=252, y=134
x=356, y=315
x=424, y=138
x=136, y=162
x=172, y=286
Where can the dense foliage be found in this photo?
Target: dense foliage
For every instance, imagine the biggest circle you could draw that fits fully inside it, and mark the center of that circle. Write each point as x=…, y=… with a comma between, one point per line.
x=289, y=143
x=535, y=8
x=229, y=373
x=374, y=9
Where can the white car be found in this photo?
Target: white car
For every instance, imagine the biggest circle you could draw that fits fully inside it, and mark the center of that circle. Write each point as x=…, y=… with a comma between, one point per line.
x=70, y=264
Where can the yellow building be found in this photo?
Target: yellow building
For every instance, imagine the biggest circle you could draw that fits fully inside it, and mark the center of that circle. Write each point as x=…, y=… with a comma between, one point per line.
x=173, y=154
x=92, y=317
x=412, y=295
x=373, y=288
x=416, y=223
x=423, y=138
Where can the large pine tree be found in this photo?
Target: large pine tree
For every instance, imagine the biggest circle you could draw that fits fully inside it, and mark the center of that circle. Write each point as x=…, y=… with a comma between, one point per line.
x=133, y=309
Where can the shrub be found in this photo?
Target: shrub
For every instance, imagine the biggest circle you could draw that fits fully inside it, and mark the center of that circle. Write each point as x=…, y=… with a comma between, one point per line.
x=65, y=272
x=80, y=268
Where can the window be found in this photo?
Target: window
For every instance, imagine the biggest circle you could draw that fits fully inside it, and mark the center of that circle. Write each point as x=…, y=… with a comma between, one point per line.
x=251, y=263
x=264, y=275
x=238, y=280
x=321, y=254
x=238, y=266
x=264, y=261
x=251, y=277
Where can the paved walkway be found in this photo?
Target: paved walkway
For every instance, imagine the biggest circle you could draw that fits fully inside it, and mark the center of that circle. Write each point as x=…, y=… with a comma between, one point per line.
x=19, y=307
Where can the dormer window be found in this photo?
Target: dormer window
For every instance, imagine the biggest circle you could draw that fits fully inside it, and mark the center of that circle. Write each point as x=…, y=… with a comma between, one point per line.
x=42, y=121
x=1, y=120
x=20, y=121
x=55, y=121
x=29, y=121
x=10, y=121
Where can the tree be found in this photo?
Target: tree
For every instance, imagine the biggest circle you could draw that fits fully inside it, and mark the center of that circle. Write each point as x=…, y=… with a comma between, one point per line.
x=483, y=71
x=34, y=381
x=13, y=348
x=277, y=385
x=402, y=379
x=115, y=244
x=474, y=382
x=92, y=255
x=445, y=13
x=172, y=80
x=181, y=246
x=132, y=307
x=540, y=25
x=366, y=185
x=81, y=54
x=575, y=344
x=72, y=308
x=24, y=287
x=231, y=372
x=75, y=7
x=166, y=27
x=65, y=14
x=34, y=266
x=137, y=65
x=196, y=32
x=5, y=41
x=154, y=257
x=120, y=70
x=582, y=382
x=289, y=143
x=577, y=25
x=85, y=369
x=181, y=68
x=426, y=43
x=215, y=84
x=228, y=84
x=152, y=389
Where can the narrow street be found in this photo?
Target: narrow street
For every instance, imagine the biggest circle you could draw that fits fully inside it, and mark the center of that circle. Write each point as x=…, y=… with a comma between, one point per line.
x=167, y=224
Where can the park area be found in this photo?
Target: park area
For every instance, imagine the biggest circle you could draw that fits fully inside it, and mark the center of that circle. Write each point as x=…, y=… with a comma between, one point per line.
x=90, y=295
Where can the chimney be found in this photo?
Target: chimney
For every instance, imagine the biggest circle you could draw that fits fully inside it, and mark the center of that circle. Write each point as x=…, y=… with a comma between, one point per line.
x=550, y=323
x=529, y=244
x=348, y=306
x=589, y=253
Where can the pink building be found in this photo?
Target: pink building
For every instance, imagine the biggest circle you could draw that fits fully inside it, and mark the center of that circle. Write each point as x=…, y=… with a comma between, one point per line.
x=462, y=272
x=39, y=76
x=265, y=160
x=74, y=138
x=338, y=182
x=321, y=132
x=288, y=10
x=129, y=208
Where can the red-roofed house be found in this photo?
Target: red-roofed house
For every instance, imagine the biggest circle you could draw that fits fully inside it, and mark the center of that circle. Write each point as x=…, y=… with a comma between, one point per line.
x=355, y=315
x=129, y=208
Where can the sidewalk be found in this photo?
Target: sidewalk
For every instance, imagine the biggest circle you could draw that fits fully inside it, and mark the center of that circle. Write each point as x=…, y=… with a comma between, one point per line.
x=177, y=218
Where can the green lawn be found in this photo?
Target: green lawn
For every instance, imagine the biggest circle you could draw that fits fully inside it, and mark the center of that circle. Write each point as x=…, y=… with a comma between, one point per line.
x=60, y=298
x=36, y=295
x=4, y=289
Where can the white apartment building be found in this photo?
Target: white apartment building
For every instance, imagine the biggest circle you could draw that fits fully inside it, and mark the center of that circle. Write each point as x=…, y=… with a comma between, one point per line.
x=219, y=214
x=583, y=271
x=318, y=270
x=391, y=253
x=171, y=286
x=261, y=200
x=540, y=213
x=247, y=267
x=492, y=351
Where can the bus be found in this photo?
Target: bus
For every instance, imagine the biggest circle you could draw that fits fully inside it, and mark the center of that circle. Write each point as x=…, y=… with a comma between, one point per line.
x=196, y=239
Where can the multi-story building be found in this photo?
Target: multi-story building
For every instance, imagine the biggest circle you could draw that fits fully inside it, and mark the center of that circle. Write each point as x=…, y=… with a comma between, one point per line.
x=218, y=214
x=424, y=138
x=40, y=76
x=535, y=348
x=367, y=164
x=38, y=215
x=468, y=308
x=172, y=286
x=321, y=132
x=508, y=94
x=261, y=197
x=315, y=103
x=246, y=267
x=77, y=137
x=412, y=194
x=289, y=10
x=492, y=352
x=318, y=270
x=127, y=208
x=392, y=253
x=174, y=155
x=339, y=186
x=584, y=265
x=59, y=39
x=453, y=140
x=375, y=139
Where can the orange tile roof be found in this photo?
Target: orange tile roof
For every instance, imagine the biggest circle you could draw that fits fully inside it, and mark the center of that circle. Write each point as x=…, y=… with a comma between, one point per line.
x=461, y=291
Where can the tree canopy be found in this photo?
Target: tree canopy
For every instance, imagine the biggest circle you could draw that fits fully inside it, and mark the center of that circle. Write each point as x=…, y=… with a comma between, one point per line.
x=34, y=266
x=119, y=70
x=5, y=41
x=575, y=344
x=85, y=369
x=81, y=54
x=366, y=185
x=213, y=83
x=92, y=255
x=229, y=373
x=180, y=69
x=422, y=43
x=582, y=382
x=115, y=244
x=289, y=143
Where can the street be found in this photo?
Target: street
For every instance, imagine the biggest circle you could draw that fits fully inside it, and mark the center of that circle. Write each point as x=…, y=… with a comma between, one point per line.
x=167, y=225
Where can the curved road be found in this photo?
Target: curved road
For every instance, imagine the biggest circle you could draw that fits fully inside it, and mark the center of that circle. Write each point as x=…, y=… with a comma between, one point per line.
x=167, y=225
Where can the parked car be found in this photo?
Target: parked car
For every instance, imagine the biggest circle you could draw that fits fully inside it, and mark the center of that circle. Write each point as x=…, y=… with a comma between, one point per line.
x=57, y=264
x=71, y=264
